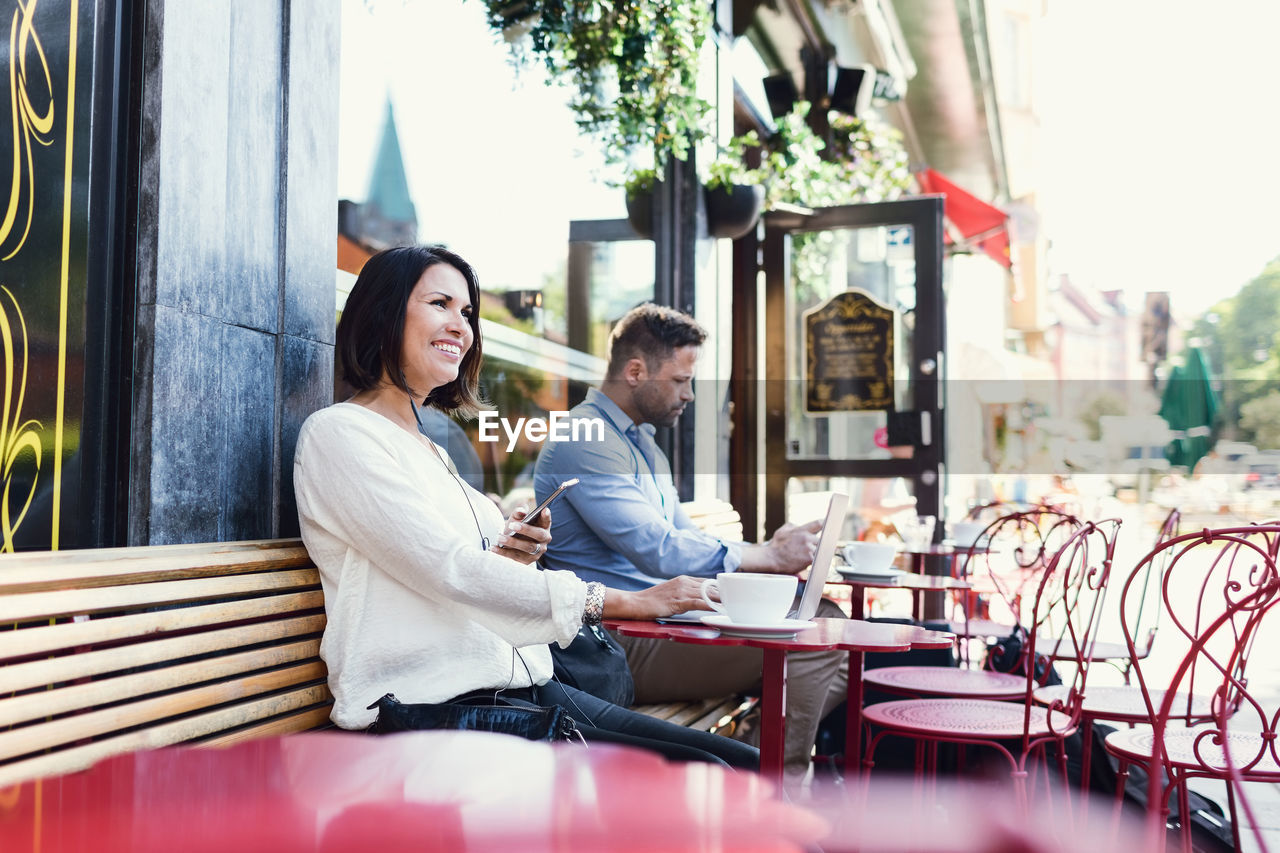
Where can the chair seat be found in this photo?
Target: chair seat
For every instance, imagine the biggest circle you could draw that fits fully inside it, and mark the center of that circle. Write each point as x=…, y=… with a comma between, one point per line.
x=1134, y=745
x=1100, y=650
x=947, y=681
x=1120, y=704
x=964, y=718
x=979, y=628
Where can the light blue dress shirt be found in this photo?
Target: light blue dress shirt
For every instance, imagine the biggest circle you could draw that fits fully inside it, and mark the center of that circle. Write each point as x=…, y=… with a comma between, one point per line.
x=622, y=524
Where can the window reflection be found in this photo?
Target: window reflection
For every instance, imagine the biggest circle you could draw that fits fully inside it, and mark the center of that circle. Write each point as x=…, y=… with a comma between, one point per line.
x=442, y=140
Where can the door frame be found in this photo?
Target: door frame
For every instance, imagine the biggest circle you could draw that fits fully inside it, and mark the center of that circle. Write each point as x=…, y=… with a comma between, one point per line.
x=925, y=468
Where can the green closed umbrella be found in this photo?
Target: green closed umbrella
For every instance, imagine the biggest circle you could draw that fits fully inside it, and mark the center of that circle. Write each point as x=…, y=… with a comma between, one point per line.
x=1189, y=405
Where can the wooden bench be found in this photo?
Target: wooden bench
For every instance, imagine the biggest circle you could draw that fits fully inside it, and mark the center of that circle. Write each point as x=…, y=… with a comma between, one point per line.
x=716, y=517
x=725, y=714
x=722, y=716
x=120, y=649
x=115, y=650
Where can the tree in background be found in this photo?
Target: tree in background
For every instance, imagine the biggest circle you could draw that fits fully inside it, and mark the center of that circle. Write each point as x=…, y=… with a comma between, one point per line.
x=1104, y=402
x=1239, y=337
x=1261, y=417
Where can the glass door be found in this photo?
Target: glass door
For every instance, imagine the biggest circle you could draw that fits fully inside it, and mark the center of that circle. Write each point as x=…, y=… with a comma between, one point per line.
x=853, y=352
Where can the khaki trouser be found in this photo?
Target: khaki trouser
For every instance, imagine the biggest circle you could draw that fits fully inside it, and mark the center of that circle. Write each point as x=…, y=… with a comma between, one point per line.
x=665, y=671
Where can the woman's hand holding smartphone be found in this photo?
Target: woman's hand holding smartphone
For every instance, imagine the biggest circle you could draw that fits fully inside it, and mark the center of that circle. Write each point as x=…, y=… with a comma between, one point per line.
x=526, y=536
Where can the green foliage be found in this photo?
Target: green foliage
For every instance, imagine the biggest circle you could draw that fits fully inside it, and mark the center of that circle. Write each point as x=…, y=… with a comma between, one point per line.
x=1094, y=408
x=1260, y=418
x=640, y=181
x=729, y=168
x=633, y=65
x=865, y=163
x=871, y=158
x=1239, y=337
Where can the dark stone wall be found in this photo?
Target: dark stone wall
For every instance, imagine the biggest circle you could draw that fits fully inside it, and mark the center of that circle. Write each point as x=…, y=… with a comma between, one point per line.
x=236, y=259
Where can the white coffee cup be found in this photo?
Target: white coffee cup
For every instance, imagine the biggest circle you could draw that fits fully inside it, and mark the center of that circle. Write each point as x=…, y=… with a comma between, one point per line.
x=751, y=598
x=966, y=533
x=869, y=556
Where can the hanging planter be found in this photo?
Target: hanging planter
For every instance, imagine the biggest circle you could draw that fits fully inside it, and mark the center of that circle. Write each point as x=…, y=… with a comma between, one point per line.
x=732, y=209
x=640, y=213
x=632, y=64
x=640, y=188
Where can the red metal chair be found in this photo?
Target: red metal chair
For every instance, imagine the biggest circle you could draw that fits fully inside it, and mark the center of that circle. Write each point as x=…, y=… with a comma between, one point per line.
x=1140, y=610
x=1147, y=610
x=1069, y=594
x=1009, y=559
x=1217, y=588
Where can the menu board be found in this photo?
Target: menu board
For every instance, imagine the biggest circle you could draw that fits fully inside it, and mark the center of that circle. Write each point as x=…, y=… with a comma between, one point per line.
x=849, y=355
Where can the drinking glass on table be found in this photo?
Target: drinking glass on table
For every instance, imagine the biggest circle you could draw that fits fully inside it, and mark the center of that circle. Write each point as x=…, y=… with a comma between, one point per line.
x=916, y=531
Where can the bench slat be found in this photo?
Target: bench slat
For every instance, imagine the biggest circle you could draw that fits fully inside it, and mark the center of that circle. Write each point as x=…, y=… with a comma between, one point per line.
x=43, y=605
x=300, y=722
x=132, y=553
x=85, y=664
x=18, y=575
x=48, y=638
x=48, y=703
x=28, y=739
x=662, y=711
x=724, y=715
x=164, y=734
x=693, y=710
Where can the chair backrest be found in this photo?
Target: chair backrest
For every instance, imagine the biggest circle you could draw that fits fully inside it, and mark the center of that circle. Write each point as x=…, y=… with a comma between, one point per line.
x=1012, y=552
x=1214, y=665
x=1203, y=579
x=1145, y=610
x=1067, y=608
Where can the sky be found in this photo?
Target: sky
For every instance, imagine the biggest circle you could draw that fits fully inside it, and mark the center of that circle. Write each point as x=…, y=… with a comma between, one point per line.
x=1158, y=153
x=1161, y=143
x=495, y=166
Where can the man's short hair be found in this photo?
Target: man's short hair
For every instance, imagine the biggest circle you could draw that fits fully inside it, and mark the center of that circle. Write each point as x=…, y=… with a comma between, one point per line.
x=653, y=333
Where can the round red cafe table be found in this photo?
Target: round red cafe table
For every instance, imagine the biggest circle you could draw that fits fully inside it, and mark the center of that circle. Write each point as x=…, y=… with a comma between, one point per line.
x=430, y=791
x=851, y=635
x=918, y=584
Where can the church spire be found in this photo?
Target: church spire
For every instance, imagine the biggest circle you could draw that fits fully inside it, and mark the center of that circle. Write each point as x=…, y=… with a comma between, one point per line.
x=388, y=186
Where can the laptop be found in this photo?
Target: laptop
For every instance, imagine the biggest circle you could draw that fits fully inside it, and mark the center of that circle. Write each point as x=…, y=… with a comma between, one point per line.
x=811, y=590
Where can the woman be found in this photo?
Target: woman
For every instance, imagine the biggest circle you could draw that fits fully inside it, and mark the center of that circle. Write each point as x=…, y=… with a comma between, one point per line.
x=428, y=595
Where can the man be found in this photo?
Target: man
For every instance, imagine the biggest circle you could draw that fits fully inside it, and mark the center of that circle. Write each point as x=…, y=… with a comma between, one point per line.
x=623, y=526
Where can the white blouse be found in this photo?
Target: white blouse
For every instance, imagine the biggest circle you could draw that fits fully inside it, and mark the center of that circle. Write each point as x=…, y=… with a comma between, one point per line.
x=415, y=606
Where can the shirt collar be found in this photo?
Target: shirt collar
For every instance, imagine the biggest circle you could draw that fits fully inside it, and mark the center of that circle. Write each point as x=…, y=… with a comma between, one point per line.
x=614, y=412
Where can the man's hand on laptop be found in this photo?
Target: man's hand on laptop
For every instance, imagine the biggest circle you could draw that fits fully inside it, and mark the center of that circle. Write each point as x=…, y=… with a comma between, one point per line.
x=674, y=596
x=789, y=551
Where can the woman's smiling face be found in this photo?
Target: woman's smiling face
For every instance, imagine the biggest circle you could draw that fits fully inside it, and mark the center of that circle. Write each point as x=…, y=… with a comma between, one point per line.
x=437, y=329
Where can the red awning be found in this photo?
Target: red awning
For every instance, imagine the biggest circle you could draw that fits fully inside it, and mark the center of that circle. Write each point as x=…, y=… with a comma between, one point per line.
x=982, y=225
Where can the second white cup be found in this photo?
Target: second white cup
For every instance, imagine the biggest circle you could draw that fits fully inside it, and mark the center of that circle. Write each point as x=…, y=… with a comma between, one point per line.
x=750, y=598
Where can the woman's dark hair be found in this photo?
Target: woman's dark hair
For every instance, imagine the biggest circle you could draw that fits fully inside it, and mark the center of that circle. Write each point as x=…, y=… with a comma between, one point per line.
x=371, y=330
x=652, y=332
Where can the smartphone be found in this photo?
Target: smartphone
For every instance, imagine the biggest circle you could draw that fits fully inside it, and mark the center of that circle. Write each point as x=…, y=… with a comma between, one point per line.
x=537, y=510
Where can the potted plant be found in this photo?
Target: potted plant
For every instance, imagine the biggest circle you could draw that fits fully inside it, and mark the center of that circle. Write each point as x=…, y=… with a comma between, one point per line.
x=732, y=192
x=866, y=162
x=639, y=187
x=632, y=63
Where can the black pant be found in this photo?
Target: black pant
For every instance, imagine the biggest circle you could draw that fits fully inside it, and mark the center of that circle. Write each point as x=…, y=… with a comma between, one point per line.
x=608, y=723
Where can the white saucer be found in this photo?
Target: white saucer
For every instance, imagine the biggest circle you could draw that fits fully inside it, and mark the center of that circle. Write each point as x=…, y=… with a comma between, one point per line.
x=784, y=628
x=874, y=575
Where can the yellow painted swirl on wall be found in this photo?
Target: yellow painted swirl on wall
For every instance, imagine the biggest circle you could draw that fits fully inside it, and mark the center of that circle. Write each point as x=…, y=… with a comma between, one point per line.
x=28, y=123
x=16, y=436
